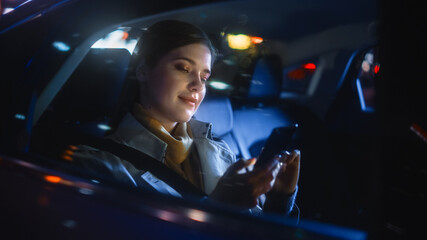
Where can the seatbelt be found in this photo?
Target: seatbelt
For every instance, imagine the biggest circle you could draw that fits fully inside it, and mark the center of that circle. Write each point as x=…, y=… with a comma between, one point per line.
x=140, y=160
x=145, y=162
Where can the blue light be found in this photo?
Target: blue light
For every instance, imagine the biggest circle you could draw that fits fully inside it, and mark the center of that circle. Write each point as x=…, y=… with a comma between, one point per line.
x=219, y=85
x=61, y=46
x=95, y=181
x=360, y=93
x=7, y=10
x=20, y=116
x=104, y=127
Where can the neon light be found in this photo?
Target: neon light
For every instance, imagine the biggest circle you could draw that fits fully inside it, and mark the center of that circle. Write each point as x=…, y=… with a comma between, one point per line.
x=7, y=10
x=104, y=127
x=297, y=74
x=239, y=41
x=61, y=46
x=69, y=152
x=125, y=35
x=52, y=179
x=67, y=157
x=219, y=85
x=257, y=40
x=376, y=69
x=20, y=116
x=72, y=147
x=360, y=93
x=197, y=215
x=310, y=66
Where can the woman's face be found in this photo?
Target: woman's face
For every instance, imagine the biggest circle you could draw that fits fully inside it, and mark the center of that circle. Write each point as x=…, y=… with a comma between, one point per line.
x=174, y=89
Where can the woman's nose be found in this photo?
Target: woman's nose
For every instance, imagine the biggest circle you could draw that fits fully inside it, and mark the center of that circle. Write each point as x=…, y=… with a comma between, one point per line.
x=196, y=83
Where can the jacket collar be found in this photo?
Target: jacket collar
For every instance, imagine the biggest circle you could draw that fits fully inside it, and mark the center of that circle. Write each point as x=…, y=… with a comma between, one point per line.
x=200, y=129
x=133, y=134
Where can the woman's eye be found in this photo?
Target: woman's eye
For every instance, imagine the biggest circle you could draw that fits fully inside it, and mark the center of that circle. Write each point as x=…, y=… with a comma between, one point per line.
x=205, y=78
x=183, y=68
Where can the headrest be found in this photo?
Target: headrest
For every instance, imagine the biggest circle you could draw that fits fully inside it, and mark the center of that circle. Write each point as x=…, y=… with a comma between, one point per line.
x=216, y=110
x=266, y=79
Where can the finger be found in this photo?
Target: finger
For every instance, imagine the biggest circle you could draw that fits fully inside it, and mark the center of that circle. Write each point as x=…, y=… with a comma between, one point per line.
x=241, y=164
x=262, y=189
x=267, y=167
x=258, y=174
x=267, y=179
x=289, y=158
x=297, y=153
x=283, y=156
x=295, y=156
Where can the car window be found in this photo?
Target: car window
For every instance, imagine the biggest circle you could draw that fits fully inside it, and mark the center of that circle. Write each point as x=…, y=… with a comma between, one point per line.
x=274, y=68
x=247, y=72
x=297, y=78
x=365, y=81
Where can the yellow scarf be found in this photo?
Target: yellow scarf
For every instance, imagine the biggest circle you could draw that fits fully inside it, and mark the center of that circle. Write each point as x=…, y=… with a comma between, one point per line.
x=178, y=143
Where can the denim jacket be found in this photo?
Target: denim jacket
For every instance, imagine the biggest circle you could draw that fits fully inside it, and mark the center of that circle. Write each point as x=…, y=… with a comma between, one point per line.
x=215, y=156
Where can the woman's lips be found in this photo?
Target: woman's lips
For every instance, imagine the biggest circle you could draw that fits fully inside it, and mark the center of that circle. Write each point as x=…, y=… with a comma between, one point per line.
x=188, y=100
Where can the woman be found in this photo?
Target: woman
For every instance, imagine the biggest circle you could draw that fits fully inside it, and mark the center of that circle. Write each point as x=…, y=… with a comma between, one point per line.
x=173, y=63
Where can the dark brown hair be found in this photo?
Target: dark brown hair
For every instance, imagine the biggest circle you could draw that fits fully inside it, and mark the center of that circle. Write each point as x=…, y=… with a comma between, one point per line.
x=164, y=36
x=157, y=41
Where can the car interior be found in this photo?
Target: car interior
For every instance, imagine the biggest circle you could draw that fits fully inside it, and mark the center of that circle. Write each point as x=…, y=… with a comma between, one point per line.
x=348, y=73
x=282, y=79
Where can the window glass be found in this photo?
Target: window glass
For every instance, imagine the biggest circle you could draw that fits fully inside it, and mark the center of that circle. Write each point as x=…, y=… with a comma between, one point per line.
x=366, y=80
x=91, y=100
x=119, y=38
x=297, y=78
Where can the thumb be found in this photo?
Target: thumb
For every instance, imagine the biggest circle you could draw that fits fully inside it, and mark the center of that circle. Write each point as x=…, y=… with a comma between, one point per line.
x=239, y=165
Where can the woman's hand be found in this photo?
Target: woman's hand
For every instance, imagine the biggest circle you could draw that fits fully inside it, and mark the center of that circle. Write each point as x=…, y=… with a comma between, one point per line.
x=243, y=189
x=287, y=178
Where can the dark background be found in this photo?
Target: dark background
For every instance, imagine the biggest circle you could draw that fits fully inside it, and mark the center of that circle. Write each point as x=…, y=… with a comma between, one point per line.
x=402, y=103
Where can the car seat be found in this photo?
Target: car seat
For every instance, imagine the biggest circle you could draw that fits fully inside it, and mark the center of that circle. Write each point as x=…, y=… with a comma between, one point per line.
x=261, y=113
x=218, y=111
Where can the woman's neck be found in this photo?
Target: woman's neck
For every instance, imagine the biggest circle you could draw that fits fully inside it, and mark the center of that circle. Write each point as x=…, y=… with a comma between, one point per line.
x=166, y=123
x=169, y=126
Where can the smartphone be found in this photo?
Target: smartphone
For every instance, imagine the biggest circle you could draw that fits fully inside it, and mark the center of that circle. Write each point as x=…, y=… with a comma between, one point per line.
x=279, y=140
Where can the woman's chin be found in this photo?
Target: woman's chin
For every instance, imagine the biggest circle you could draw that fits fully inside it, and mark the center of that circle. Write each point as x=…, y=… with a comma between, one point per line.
x=187, y=116
x=185, y=119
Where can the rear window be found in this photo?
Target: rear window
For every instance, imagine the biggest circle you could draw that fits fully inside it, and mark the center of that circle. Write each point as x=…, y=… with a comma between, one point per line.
x=366, y=80
x=297, y=78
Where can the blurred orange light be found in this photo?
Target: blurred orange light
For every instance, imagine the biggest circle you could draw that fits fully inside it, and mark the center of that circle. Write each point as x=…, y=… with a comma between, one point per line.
x=125, y=35
x=52, y=179
x=72, y=147
x=66, y=157
x=197, y=215
x=69, y=152
x=297, y=74
x=167, y=216
x=310, y=66
x=257, y=40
